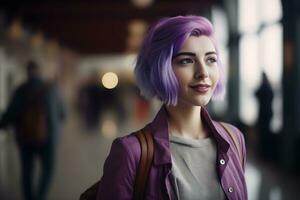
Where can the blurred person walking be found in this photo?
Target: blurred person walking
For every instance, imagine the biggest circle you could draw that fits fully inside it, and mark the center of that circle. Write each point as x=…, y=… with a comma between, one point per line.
x=264, y=95
x=91, y=101
x=36, y=112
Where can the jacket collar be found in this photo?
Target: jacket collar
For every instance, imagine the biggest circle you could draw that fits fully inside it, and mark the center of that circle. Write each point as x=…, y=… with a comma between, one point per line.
x=159, y=129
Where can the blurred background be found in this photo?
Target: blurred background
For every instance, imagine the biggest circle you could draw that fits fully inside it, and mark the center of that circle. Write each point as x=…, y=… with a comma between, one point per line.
x=87, y=48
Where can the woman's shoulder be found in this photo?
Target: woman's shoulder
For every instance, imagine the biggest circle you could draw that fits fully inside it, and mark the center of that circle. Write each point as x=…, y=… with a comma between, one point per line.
x=120, y=168
x=127, y=146
x=129, y=141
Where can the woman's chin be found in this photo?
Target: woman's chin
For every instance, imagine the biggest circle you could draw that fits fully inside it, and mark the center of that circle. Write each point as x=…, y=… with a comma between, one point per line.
x=199, y=101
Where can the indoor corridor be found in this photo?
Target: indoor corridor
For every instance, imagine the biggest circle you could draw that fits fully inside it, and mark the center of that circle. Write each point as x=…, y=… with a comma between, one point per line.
x=88, y=51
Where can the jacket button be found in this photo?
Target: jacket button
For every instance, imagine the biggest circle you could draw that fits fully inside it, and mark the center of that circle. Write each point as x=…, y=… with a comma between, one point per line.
x=230, y=189
x=222, y=161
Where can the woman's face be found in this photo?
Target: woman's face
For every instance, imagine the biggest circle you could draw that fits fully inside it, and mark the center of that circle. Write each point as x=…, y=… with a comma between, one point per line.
x=195, y=67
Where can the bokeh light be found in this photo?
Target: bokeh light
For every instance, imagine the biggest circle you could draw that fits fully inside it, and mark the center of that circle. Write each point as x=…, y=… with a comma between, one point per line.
x=110, y=80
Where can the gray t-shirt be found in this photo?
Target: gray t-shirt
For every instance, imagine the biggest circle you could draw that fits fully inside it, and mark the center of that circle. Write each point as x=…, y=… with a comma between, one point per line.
x=194, y=169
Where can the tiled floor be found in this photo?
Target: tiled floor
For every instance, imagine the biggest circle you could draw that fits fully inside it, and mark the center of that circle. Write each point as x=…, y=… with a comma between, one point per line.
x=80, y=157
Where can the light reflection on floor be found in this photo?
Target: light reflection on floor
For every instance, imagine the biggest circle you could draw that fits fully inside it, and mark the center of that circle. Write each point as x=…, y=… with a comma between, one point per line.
x=253, y=180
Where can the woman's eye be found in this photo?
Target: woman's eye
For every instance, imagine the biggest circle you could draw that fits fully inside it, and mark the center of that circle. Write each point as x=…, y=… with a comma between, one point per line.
x=211, y=60
x=185, y=61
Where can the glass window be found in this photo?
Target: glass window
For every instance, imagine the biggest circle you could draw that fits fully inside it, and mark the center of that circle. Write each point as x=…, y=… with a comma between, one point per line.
x=261, y=49
x=250, y=73
x=271, y=59
x=248, y=16
x=271, y=52
x=270, y=10
x=219, y=20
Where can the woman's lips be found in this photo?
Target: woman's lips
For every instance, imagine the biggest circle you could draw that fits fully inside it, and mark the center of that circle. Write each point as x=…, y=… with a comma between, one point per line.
x=201, y=88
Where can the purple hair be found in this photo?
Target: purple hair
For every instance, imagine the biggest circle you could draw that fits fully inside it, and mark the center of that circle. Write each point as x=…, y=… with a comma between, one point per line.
x=153, y=70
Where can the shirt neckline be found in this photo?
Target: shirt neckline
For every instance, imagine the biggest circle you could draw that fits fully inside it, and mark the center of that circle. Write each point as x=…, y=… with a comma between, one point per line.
x=189, y=142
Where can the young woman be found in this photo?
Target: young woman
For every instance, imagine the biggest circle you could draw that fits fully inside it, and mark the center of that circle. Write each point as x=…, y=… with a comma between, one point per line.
x=194, y=156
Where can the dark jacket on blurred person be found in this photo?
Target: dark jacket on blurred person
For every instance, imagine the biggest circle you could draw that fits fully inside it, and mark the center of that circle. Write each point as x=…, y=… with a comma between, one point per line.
x=53, y=106
x=52, y=102
x=265, y=95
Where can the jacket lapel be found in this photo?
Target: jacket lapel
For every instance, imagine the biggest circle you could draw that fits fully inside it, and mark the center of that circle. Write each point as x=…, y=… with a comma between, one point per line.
x=159, y=129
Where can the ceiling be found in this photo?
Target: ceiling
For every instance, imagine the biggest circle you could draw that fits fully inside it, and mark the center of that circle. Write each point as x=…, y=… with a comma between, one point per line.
x=94, y=26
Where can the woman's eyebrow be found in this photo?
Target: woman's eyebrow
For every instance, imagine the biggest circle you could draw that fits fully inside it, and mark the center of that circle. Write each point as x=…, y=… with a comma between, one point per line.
x=192, y=54
x=185, y=54
x=210, y=52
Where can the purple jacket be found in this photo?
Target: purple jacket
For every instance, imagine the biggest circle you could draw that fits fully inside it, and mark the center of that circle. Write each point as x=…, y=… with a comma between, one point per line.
x=121, y=164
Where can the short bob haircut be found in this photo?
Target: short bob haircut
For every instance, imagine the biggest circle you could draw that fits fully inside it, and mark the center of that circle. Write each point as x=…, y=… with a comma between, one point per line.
x=153, y=70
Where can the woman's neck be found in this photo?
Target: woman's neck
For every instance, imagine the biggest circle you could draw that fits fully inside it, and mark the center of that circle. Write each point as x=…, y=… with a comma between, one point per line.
x=185, y=121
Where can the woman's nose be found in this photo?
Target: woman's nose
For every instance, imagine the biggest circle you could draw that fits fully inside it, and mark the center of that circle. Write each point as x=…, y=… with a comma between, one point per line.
x=200, y=71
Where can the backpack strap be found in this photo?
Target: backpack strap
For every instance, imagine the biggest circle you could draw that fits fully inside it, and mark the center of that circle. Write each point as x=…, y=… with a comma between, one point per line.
x=234, y=139
x=147, y=150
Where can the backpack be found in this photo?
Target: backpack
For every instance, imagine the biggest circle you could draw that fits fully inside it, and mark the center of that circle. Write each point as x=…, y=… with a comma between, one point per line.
x=147, y=150
x=33, y=129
